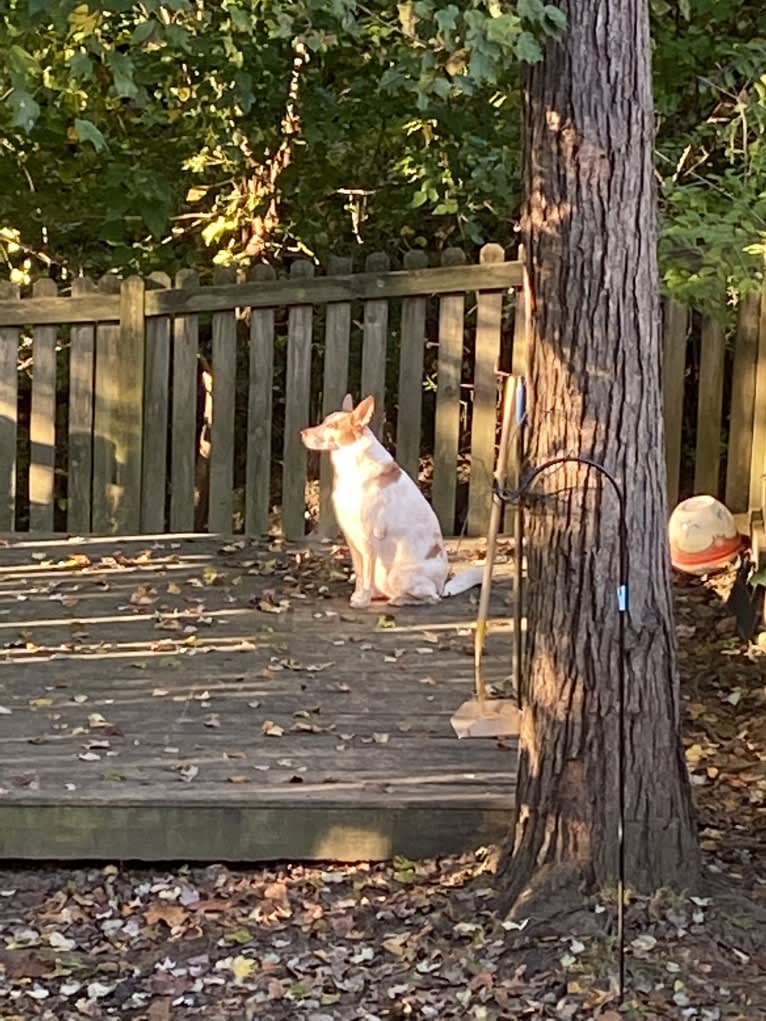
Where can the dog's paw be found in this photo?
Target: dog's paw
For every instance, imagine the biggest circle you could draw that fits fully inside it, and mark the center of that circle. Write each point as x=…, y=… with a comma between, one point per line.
x=361, y=599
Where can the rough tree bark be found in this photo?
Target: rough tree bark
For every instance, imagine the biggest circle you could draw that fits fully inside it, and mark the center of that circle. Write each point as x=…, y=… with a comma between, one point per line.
x=594, y=389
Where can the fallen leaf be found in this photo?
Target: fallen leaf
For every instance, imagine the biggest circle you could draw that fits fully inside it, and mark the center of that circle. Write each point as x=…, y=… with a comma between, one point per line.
x=60, y=942
x=212, y=575
x=645, y=942
x=171, y=914
x=143, y=596
x=272, y=729
x=242, y=967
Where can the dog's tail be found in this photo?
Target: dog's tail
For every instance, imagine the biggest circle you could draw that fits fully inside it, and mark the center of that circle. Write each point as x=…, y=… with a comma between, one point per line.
x=463, y=580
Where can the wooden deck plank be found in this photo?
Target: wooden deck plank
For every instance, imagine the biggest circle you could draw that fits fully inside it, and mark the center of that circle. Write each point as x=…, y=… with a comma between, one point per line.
x=158, y=662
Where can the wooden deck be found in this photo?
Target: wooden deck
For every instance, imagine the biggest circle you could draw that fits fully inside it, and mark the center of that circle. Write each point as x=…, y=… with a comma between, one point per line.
x=154, y=706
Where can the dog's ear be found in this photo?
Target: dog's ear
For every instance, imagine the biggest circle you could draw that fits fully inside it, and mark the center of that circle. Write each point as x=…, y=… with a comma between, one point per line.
x=363, y=412
x=348, y=403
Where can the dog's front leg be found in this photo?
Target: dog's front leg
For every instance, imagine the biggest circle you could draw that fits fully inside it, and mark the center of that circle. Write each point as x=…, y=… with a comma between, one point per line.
x=364, y=568
x=356, y=564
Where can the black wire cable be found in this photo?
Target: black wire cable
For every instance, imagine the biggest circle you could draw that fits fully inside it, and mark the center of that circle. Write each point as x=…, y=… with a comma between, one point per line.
x=517, y=496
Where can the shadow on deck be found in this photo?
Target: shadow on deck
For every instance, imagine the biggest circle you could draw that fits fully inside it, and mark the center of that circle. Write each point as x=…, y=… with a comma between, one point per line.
x=189, y=699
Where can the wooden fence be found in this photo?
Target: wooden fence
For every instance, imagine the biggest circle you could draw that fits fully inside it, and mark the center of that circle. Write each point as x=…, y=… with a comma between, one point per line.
x=105, y=426
x=125, y=441
x=715, y=403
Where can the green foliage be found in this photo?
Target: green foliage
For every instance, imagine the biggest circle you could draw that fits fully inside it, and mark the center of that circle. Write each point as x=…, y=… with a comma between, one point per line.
x=155, y=135
x=710, y=97
x=138, y=136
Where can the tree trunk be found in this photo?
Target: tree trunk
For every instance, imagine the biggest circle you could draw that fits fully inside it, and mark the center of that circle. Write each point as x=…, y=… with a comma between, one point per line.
x=595, y=390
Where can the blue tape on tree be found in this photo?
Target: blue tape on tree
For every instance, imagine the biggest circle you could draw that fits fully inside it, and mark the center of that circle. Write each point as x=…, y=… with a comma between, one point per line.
x=622, y=598
x=520, y=401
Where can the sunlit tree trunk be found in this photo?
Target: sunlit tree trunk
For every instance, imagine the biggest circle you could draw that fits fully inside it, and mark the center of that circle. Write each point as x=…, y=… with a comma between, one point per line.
x=594, y=389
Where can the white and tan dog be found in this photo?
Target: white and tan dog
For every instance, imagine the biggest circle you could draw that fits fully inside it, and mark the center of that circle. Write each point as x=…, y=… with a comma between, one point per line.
x=394, y=537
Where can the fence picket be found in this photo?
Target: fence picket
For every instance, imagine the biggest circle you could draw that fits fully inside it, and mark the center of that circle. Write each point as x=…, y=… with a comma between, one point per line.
x=221, y=499
x=156, y=403
x=297, y=398
x=489, y=313
x=335, y=381
x=758, y=452
x=9, y=375
x=675, y=332
x=259, y=414
x=410, y=410
x=42, y=424
x=374, y=346
x=183, y=438
x=105, y=424
x=742, y=405
x=80, y=438
x=130, y=405
x=710, y=398
x=447, y=425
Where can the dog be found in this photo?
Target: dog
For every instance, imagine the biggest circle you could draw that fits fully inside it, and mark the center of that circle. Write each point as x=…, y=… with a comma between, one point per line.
x=392, y=533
